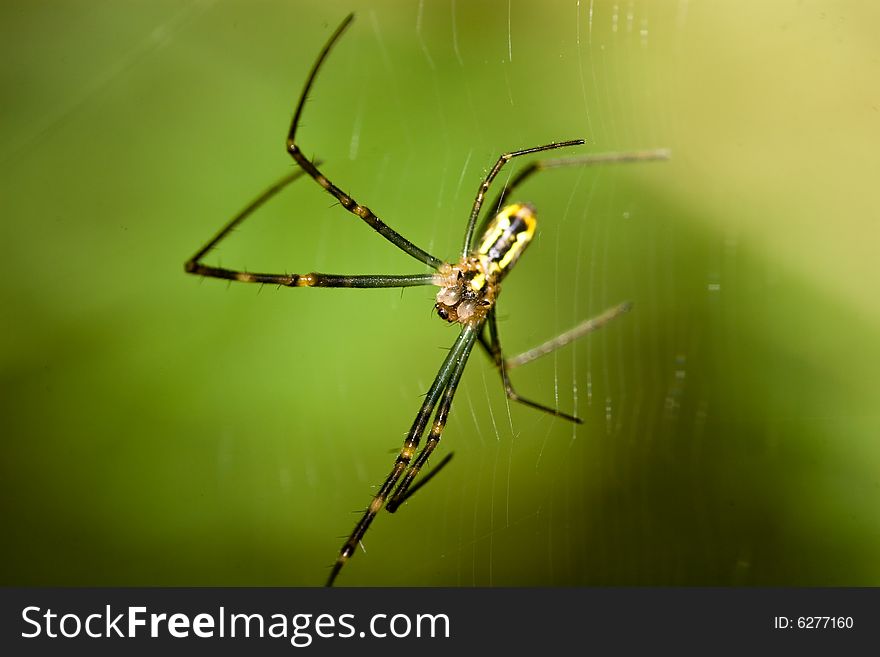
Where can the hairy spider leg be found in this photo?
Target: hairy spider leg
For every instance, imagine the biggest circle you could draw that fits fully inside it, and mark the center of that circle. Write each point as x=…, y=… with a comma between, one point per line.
x=450, y=370
x=592, y=159
x=503, y=159
x=314, y=279
x=344, y=199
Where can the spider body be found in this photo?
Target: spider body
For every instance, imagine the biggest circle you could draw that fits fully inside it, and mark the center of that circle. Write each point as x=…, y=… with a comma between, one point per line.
x=468, y=293
x=468, y=289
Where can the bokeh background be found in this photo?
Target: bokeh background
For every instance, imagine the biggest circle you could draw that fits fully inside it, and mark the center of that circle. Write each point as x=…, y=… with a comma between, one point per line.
x=162, y=430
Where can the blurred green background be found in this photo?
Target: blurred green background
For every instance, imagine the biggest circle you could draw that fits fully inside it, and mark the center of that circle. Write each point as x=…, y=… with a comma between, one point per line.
x=159, y=429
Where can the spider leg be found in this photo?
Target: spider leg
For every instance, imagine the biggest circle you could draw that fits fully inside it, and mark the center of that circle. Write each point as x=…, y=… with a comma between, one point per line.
x=564, y=162
x=314, y=279
x=487, y=182
x=436, y=431
x=582, y=329
x=424, y=480
x=344, y=199
x=233, y=223
x=195, y=265
x=493, y=348
x=451, y=369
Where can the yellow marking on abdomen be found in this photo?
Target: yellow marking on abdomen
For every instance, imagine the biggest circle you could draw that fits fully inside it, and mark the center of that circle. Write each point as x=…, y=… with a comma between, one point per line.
x=509, y=232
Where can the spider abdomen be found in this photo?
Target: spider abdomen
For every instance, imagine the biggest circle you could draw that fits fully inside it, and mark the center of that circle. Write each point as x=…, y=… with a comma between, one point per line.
x=506, y=237
x=468, y=289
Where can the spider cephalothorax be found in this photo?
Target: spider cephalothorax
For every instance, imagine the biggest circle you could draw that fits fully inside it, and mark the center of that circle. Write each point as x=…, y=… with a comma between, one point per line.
x=469, y=288
x=465, y=294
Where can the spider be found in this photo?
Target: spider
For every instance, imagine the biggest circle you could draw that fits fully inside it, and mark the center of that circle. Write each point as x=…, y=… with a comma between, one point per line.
x=469, y=289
